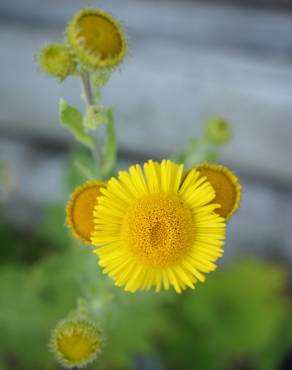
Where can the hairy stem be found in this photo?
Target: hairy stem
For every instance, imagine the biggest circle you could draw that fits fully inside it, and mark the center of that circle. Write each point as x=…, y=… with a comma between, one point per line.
x=90, y=100
x=87, y=88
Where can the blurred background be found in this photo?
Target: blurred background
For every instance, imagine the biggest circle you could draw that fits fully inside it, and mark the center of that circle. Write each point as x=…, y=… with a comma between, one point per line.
x=188, y=60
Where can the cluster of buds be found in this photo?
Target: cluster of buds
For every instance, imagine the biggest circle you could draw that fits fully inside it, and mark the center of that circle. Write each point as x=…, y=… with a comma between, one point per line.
x=94, y=41
x=94, y=45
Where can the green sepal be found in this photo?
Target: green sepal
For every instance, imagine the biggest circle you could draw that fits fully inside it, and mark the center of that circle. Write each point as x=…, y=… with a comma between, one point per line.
x=71, y=118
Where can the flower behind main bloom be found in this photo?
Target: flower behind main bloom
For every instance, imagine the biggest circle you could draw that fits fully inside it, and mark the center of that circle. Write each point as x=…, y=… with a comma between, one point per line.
x=226, y=186
x=79, y=211
x=158, y=227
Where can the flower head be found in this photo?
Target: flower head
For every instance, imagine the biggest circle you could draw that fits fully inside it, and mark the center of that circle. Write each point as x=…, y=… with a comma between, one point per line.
x=76, y=342
x=218, y=131
x=57, y=61
x=97, y=39
x=226, y=186
x=79, y=212
x=157, y=228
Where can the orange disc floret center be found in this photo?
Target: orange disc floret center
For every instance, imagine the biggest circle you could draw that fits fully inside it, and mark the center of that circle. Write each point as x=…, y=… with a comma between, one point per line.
x=99, y=35
x=74, y=346
x=158, y=230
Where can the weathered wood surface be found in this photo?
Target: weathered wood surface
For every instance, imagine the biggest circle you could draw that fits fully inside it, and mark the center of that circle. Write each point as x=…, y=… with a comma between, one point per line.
x=187, y=60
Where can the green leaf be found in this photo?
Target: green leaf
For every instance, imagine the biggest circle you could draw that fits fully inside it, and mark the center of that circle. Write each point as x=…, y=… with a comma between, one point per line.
x=110, y=153
x=71, y=118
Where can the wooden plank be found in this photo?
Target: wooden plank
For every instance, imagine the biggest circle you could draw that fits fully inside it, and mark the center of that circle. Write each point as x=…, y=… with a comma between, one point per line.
x=174, y=78
x=219, y=24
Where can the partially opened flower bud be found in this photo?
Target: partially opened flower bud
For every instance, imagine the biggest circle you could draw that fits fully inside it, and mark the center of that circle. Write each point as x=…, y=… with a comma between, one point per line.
x=57, y=61
x=76, y=342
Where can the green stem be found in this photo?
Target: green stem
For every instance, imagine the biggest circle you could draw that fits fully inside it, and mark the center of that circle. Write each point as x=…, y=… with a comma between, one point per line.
x=87, y=88
x=83, y=170
x=90, y=100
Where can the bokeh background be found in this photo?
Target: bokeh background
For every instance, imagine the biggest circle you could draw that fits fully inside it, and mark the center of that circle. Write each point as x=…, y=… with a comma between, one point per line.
x=188, y=60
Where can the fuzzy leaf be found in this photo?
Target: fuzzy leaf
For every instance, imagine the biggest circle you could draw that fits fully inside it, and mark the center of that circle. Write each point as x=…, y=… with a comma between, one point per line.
x=71, y=118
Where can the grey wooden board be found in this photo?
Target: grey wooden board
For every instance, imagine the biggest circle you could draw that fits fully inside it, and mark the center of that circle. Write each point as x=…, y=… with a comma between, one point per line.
x=187, y=61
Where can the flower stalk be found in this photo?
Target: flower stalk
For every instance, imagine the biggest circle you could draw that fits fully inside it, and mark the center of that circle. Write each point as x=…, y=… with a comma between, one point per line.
x=87, y=88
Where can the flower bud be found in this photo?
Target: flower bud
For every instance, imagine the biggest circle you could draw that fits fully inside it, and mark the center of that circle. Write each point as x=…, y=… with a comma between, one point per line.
x=217, y=130
x=76, y=342
x=56, y=60
x=93, y=117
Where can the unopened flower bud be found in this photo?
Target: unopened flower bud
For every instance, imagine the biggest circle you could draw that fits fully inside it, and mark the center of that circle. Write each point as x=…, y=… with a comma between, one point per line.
x=76, y=342
x=56, y=60
x=217, y=131
x=93, y=117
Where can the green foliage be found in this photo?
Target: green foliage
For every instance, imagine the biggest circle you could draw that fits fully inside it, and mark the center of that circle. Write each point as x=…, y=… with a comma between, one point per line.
x=72, y=119
x=47, y=292
x=131, y=327
x=232, y=318
x=20, y=246
x=53, y=229
x=32, y=301
x=238, y=315
x=36, y=296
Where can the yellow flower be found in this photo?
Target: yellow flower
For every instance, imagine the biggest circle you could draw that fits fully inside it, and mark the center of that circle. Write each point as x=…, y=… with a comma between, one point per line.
x=157, y=228
x=226, y=186
x=97, y=39
x=79, y=212
x=57, y=61
x=76, y=342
